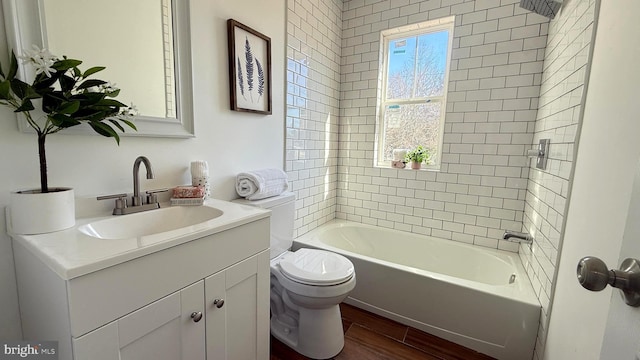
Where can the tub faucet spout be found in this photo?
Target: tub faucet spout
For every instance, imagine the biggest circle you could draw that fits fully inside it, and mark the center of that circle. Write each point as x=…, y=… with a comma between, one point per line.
x=516, y=236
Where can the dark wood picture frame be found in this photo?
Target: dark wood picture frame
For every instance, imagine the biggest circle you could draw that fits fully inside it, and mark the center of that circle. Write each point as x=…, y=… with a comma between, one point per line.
x=249, y=69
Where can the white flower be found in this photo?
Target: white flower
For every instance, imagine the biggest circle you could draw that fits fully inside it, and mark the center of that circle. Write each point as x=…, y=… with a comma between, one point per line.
x=108, y=87
x=29, y=55
x=132, y=110
x=41, y=59
x=129, y=112
x=43, y=66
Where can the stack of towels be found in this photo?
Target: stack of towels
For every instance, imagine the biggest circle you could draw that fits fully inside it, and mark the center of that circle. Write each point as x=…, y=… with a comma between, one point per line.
x=260, y=184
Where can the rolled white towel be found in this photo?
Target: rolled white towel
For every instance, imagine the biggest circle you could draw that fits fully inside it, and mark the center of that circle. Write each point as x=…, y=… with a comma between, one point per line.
x=260, y=184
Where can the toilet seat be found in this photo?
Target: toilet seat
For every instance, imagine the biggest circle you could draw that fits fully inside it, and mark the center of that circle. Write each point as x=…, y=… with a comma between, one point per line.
x=316, y=267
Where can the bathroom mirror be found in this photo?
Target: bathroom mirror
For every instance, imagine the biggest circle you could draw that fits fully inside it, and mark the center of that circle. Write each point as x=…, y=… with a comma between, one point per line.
x=144, y=45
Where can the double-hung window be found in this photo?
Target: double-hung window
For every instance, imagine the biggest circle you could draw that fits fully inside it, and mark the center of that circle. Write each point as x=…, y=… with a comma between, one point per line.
x=413, y=88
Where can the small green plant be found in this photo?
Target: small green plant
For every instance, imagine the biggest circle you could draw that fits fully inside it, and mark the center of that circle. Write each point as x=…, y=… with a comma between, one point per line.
x=65, y=97
x=418, y=155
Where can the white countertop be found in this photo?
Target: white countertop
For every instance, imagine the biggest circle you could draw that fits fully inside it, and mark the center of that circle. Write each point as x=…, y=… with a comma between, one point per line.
x=71, y=253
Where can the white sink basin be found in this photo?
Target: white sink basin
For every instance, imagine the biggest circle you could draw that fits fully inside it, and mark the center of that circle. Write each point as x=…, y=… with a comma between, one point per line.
x=149, y=222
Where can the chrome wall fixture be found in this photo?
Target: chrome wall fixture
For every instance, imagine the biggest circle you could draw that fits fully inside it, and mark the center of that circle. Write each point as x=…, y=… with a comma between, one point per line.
x=541, y=153
x=548, y=8
x=516, y=236
x=593, y=274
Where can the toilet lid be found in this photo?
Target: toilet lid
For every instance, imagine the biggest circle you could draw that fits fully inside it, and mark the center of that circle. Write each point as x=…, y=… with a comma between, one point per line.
x=316, y=267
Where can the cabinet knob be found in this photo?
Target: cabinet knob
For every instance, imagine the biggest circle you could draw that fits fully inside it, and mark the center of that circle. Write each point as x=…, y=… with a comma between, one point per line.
x=196, y=316
x=218, y=303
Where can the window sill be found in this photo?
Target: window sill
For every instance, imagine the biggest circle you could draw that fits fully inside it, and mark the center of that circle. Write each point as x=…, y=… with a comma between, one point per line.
x=408, y=167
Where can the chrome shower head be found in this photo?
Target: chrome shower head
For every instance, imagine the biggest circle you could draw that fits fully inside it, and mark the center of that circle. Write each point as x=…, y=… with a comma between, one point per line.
x=548, y=8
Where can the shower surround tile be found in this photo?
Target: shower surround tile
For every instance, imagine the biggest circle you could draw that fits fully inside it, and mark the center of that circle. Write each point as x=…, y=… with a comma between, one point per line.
x=314, y=31
x=496, y=73
x=559, y=113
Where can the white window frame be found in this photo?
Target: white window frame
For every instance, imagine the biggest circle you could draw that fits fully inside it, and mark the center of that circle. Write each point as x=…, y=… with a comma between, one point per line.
x=387, y=36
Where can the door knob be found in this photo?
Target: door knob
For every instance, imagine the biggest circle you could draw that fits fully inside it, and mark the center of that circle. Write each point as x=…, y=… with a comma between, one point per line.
x=218, y=303
x=593, y=274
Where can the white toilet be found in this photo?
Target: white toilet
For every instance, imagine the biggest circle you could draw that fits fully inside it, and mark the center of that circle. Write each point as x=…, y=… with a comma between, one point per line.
x=306, y=286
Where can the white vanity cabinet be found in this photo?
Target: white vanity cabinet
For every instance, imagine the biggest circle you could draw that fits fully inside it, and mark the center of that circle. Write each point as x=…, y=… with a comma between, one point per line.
x=237, y=301
x=162, y=330
x=146, y=307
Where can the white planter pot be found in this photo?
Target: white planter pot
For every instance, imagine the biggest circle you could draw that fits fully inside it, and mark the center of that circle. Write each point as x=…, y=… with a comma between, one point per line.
x=33, y=212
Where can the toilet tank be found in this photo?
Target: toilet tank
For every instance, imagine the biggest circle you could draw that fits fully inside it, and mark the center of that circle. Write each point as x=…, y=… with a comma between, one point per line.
x=283, y=209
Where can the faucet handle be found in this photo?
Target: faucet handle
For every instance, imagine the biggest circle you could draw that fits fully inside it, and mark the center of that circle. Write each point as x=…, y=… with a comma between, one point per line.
x=156, y=191
x=152, y=196
x=121, y=201
x=115, y=196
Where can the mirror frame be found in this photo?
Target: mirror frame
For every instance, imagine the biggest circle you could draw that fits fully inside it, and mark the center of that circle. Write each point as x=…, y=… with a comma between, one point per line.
x=24, y=21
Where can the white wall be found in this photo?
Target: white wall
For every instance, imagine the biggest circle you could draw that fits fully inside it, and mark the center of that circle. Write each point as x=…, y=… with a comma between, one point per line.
x=623, y=323
x=230, y=141
x=607, y=155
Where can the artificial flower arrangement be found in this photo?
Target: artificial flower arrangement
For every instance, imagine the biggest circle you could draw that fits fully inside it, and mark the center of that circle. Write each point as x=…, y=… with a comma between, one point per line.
x=67, y=97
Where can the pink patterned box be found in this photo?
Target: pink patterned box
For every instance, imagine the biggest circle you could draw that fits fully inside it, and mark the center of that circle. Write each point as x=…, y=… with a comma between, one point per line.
x=188, y=192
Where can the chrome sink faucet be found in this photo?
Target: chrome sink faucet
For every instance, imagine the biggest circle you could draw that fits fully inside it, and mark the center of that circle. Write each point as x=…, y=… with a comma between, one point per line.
x=138, y=203
x=516, y=236
x=137, y=199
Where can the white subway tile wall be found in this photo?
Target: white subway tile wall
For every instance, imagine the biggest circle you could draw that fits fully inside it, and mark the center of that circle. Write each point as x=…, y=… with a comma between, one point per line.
x=314, y=33
x=561, y=90
x=496, y=72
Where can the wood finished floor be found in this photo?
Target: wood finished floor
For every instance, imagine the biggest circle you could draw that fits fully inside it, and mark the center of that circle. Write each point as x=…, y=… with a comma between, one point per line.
x=372, y=337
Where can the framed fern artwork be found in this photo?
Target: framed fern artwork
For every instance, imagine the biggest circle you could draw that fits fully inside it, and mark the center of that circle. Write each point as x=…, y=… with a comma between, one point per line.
x=249, y=69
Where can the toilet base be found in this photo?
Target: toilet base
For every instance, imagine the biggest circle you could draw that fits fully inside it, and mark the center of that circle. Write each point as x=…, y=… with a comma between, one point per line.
x=319, y=334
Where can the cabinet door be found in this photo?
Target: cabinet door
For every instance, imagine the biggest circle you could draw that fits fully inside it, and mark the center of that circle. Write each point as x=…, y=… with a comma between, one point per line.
x=162, y=330
x=238, y=329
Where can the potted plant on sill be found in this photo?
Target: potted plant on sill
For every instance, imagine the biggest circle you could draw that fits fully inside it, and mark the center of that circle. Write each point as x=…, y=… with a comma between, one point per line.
x=66, y=97
x=417, y=156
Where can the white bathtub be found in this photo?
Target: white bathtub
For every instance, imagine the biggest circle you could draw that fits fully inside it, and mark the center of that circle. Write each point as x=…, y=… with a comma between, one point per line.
x=458, y=292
